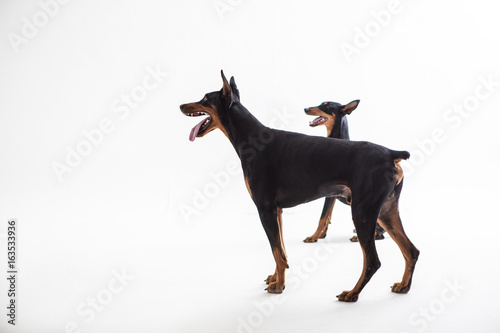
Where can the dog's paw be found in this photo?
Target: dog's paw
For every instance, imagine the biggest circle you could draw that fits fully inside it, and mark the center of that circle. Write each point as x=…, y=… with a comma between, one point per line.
x=348, y=296
x=354, y=239
x=270, y=279
x=311, y=239
x=399, y=288
x=274, y=288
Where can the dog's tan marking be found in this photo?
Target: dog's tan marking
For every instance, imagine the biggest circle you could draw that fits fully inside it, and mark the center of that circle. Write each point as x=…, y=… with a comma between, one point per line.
x=391, y=222
x=277, y=281
x=247, y=183
x=322, y=226
x=212, y=111
x=399, y=170
x=329, y=123
x=327, y=220
x=272, y=278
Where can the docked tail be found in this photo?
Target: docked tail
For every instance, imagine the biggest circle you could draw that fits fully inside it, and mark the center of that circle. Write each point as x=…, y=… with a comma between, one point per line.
x=398, y=156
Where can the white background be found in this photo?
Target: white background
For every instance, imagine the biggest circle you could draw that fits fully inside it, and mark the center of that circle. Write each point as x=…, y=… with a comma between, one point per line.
x=120, y=207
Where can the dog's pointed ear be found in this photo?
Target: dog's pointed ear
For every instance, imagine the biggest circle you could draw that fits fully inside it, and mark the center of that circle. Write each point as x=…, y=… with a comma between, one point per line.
x=226, y=89
x=234, y=88
x=348, y=108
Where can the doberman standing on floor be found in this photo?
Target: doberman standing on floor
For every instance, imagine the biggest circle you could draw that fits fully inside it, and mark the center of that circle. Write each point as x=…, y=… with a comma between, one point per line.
x=332, y=115
x=284, y=169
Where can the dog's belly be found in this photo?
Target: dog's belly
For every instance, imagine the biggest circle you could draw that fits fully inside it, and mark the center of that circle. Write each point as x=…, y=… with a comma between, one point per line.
x=286, y=198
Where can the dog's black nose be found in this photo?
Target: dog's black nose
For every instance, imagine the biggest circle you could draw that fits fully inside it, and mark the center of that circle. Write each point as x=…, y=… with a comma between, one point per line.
x=306, y=110
x=182, y=105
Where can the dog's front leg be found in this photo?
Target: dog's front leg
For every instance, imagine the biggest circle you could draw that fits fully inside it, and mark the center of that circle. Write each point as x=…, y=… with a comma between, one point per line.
x=272, y=223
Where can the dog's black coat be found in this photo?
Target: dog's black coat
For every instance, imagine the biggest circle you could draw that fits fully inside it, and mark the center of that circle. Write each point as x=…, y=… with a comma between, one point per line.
x=284, y=169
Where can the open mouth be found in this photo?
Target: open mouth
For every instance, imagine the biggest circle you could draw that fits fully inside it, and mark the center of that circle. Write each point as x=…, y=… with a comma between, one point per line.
x=317, y=121
x=199, y=129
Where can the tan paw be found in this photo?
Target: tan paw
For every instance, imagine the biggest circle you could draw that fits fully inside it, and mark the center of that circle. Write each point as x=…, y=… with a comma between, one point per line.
x=311, y=239
x=274, y=288
x=270, y=278
x=348, y=296
x=399, y=288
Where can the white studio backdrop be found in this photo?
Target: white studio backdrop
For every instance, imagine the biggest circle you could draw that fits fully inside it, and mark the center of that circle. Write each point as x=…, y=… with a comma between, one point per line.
x=126, y=226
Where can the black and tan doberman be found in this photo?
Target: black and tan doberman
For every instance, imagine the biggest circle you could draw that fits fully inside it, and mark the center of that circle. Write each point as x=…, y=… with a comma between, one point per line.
x=284, y=169
x=332, y=115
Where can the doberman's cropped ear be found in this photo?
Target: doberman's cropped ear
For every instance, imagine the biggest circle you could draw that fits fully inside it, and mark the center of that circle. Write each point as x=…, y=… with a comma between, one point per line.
x=234, y=88
x=226, y=89
x=348, y=108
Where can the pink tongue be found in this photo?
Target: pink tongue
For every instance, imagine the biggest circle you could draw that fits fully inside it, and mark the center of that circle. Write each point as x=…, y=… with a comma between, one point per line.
x=195, y=130
x=317, y=120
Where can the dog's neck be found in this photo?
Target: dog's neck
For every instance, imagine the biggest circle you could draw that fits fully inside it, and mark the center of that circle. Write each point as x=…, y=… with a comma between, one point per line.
x=340, y=130
x=240, y=125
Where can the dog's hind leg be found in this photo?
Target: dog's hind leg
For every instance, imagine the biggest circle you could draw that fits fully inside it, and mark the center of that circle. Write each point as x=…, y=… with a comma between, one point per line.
x=324, y=220
x=365, y=221
x=272, y=223
x=390, y=220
